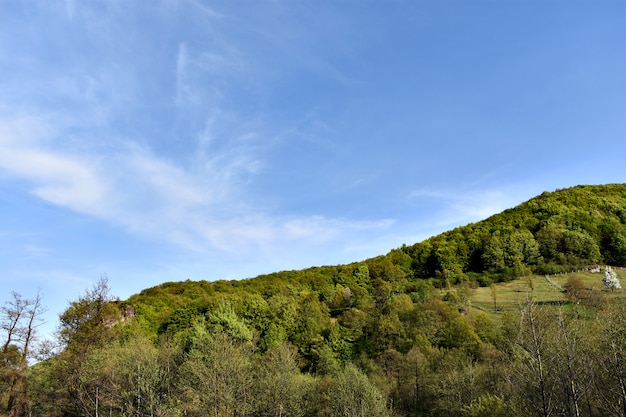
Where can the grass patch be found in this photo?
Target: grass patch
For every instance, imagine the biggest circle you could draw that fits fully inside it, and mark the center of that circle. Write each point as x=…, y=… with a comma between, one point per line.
x=548, y=291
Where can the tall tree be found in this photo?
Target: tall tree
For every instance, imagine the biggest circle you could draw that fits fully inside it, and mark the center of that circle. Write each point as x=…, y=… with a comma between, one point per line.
x=532, y=376
x=612, y=373
x=20, y=319
x=574, y=364
x=216, y=376
x=86, y=325
x=279, y=388
x=353, y=395
x=142, y=377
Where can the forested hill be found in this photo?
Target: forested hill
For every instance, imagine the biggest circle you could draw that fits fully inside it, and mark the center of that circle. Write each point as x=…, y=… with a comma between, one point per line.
x=556, y=231
x=395, y=335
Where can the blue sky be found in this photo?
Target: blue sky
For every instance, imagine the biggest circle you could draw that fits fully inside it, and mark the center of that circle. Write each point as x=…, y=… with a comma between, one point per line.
x=155, y=141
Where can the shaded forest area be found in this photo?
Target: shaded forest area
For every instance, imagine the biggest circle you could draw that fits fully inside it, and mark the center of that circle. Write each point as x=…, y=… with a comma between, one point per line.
x=396, y=335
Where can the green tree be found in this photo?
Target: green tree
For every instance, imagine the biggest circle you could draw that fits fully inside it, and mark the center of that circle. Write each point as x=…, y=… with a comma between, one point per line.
x=216, y=376
x=279, y=386
x=141, y=377
x=353, y=395
x=313, y=318
x=225, y=320
x=86, y=325
x=412, y=373
x=487, y=405
x=613, y=240
x=454, y=382
x=494, y=253
x=362, y=275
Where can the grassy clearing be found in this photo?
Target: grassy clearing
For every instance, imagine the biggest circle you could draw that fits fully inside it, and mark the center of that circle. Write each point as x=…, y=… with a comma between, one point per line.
x=511, y=296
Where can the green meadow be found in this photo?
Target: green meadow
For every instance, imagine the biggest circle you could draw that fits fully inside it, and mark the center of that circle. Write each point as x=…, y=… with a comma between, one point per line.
x=545, y=290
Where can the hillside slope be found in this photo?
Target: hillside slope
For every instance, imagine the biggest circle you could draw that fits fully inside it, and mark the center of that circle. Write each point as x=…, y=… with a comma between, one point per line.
x=409, y=333
x=553, y=232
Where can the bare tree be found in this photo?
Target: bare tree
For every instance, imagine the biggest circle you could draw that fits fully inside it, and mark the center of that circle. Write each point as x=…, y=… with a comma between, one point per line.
x=20, y=318
x=572, y=352
x=532, y=377
x=612, y=371
x=12, y=313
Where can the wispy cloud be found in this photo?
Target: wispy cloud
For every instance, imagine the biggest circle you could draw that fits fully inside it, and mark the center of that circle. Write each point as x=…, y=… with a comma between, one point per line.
x=184, y=93
x=58, y=178
x=203, y=74
x=37, y=252
x=70, y=7
x=203, y=9
x=201, y=206
x=80, y=131
x=459, y=206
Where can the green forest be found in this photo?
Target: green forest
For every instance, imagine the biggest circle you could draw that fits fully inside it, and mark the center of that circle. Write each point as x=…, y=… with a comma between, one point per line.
x=521, y=314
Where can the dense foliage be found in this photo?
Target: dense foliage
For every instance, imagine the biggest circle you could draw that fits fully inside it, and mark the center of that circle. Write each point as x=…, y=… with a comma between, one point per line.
x=392, y=335
x=553, y=232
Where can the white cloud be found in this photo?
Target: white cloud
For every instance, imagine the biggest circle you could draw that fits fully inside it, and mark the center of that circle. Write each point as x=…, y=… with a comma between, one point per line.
x=58, y=178
x=202, y=74
x=36, y=251
x=459, y=207
x=319, y=228
x=89, y=142
x=201, y=206
x=183, y=92
x=204, y=10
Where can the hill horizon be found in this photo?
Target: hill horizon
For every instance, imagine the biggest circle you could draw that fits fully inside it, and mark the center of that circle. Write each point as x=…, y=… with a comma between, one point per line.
x=441, y=326
x=560, y=195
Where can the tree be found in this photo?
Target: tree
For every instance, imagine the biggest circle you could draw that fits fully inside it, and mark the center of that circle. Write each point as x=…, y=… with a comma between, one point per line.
x=224, y=319
x=611, y=380
x=20, y=319
x=216, y=377
x=84, y=322
x=142, y=376
x=411, y=375
x=610, y=280
x=12, y=312
x=353, y=395
x=574, y=364
x=613, y=241
x=86, y=325
x=487, y=405
x=454, y=382
x=576, y=289
x=494, y=296
x=279, y=387
x=531, y=371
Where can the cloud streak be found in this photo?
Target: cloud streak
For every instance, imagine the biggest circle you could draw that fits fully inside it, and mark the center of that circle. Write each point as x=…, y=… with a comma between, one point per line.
x=58, y=178
x=162, y=137
x=460, y=207
x=201, y=207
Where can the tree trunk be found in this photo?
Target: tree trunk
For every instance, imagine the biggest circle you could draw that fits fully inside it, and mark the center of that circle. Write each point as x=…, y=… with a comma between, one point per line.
x=538, y=358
